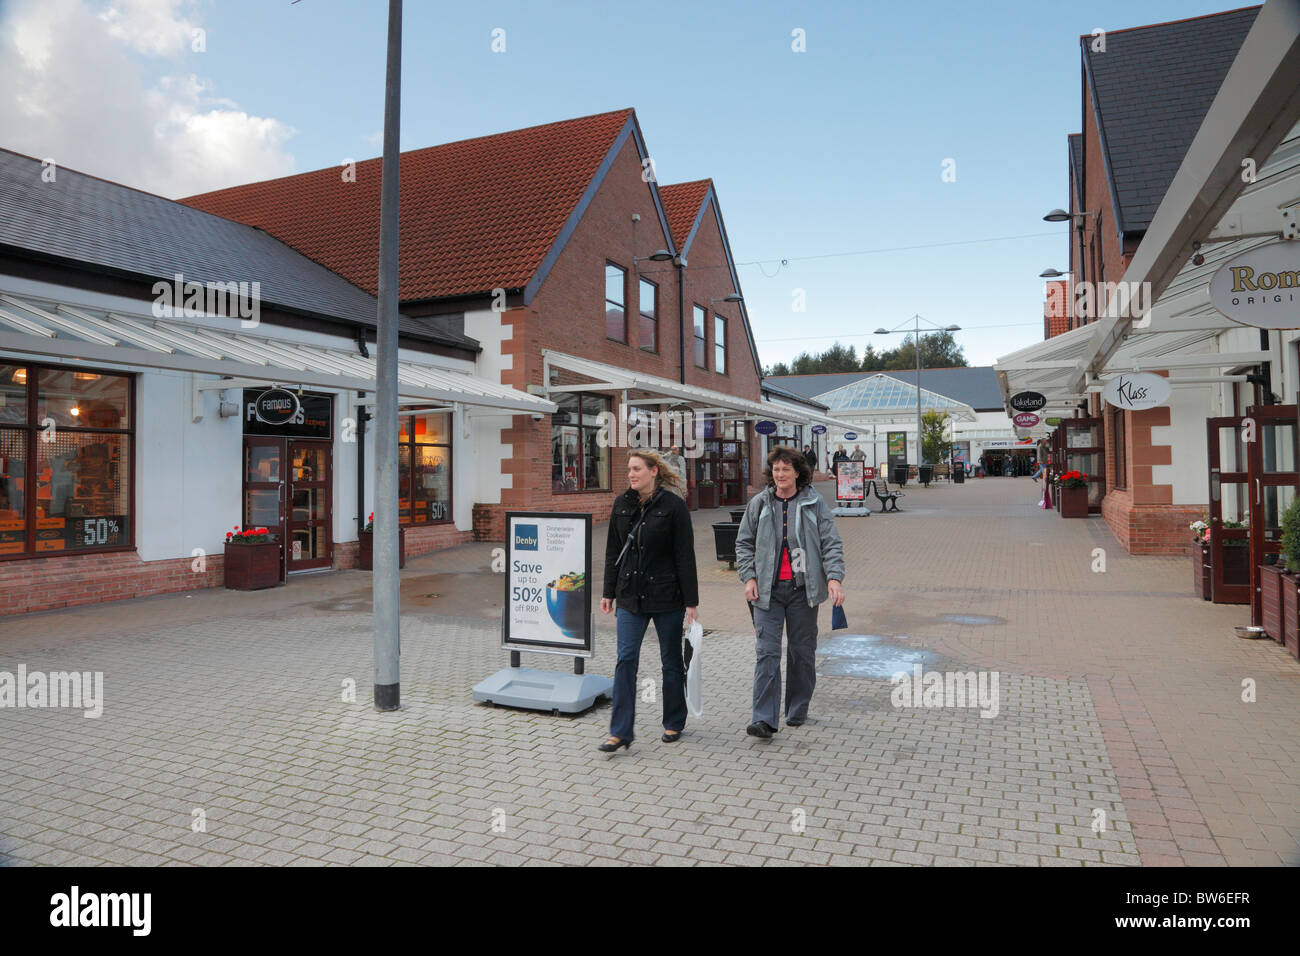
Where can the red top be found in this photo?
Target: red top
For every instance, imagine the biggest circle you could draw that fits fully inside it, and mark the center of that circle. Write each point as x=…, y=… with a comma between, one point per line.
x=787, y=572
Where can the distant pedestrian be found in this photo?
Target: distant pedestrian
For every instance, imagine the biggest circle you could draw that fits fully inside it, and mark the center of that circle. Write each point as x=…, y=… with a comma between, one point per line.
x=677, y=463
x=858, y=454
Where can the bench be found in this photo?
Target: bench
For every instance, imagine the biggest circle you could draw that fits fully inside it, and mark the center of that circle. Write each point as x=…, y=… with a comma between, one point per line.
x=888, y=499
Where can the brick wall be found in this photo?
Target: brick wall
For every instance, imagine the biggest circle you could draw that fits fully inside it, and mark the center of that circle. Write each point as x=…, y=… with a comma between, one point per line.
x=42, y=584
x=1149, y=528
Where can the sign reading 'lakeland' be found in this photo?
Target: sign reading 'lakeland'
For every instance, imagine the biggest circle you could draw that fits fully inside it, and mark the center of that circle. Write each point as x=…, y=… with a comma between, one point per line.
x=1261, y=287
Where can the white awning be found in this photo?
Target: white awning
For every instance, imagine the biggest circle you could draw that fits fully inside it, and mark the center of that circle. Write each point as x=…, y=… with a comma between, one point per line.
x=39, y=327
x=662, y=390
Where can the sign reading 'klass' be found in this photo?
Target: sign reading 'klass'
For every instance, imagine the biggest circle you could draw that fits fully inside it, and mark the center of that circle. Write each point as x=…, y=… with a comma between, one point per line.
x=1137, y=390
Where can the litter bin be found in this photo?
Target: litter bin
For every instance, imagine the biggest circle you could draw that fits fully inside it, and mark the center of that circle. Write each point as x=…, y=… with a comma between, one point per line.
x=898, y=474
x=724, y=540
x=925, y=475
x=958, y=473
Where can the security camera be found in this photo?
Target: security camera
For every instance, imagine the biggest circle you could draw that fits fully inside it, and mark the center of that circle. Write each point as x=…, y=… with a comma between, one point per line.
x=537, y=416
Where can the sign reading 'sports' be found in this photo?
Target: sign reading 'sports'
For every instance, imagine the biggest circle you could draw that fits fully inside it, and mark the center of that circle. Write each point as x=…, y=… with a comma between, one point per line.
x=1261, y=287
x=1028, y=401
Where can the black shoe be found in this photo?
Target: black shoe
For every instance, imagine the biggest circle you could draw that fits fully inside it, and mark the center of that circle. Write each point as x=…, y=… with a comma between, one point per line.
x=794, y=723
x=760, y=729
x=671, y=738
x=609, y=748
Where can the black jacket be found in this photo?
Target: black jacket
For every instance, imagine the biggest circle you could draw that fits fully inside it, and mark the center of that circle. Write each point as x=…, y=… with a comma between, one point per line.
x=658, y=573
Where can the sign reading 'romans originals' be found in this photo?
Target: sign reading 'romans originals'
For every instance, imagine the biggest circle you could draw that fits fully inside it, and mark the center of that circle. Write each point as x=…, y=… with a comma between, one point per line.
x=1137, y=390
x=1261, y=287
x=548, y=583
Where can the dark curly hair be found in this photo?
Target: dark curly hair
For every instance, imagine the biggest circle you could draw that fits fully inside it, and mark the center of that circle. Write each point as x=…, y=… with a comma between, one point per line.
x=791, y=456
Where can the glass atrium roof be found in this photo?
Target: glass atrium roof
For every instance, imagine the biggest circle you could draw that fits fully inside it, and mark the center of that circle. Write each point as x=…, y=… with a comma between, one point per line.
x=883, y=393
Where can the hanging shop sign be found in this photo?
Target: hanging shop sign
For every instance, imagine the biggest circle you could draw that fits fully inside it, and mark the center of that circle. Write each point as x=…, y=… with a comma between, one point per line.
x=765, y=427
x=275, y=406
x=1025, y=420
x=849, y=485
x=1260, y=287
x=1051, y=422
x=1137, y=390
x=311, y=418
x=819, y=429
x=548, y=583
x=850, y=436
x=1028, y=401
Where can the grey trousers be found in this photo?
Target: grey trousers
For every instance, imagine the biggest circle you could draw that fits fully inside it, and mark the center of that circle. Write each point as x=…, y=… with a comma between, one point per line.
x=787, y=609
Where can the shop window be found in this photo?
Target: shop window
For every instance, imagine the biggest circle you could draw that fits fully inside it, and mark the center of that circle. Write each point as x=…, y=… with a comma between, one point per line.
x=66, y=440
x=1117, y=430
x=579, y=459
x=424, y=469
x=701, y=342
x=615, y=302
x=649, y=299
x=720, y=345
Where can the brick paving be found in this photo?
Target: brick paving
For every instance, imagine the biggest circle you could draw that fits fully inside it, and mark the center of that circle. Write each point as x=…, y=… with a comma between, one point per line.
x=1120, y=703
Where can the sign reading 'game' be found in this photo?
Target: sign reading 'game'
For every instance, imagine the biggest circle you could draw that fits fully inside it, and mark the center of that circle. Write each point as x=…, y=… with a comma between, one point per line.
x=1025, y=420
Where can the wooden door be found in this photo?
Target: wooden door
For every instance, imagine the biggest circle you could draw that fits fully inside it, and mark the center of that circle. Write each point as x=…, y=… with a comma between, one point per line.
x=1230, y=500
x=1274, y=478
x=308, y=497
x=1084, y=449
x=264, y=474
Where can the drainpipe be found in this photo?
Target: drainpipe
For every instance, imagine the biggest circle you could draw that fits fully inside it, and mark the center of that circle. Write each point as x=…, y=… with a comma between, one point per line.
x=362, y=416
x=681, y=315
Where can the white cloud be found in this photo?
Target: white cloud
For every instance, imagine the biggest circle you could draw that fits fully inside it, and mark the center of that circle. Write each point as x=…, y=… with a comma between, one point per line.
x=102, y=88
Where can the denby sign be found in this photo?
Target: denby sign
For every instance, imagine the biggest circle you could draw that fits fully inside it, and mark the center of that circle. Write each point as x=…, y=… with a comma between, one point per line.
x=1261, y=287
x=1137, y=390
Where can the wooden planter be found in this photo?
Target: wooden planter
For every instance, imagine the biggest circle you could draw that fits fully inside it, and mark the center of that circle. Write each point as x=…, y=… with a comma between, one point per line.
x=1236, y=565
x=1201, y=571
x=1291, y=612
x=367, y=550
x=1074, y=501
x=708, y=495
x=1271, y=583
x=252, y=567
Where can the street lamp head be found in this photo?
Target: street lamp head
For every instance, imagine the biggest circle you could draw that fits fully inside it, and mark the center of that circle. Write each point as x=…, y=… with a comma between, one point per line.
x=661, y=255
x=1057, y=215
x=1051, y=274
x=882, y=331
x=952, y=328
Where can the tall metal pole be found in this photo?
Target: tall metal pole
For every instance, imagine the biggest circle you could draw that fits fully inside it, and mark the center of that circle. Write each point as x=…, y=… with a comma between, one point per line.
x=920, y=449
x=387, y=593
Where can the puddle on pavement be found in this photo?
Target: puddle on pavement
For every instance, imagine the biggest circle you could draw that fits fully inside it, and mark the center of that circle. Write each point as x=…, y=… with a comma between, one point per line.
x=971, y=620
x=866, y=655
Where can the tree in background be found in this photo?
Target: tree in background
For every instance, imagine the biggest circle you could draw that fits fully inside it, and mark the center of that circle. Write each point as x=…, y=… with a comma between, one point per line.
x=938, y=350
x=936, y=445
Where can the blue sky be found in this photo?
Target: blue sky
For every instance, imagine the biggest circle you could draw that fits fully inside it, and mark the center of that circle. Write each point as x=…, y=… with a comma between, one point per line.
x=815, y=155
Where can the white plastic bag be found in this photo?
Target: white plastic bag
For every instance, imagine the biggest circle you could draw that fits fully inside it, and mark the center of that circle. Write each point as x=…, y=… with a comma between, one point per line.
x=695, y=673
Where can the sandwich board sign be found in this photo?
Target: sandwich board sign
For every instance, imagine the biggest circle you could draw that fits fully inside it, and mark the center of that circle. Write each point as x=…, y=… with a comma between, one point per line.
x=547, y=609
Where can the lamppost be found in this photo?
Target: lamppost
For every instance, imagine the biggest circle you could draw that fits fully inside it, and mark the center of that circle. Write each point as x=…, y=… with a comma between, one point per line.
x=917, y=320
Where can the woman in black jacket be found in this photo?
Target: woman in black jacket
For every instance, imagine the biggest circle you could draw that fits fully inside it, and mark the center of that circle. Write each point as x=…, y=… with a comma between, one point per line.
x=650, y=572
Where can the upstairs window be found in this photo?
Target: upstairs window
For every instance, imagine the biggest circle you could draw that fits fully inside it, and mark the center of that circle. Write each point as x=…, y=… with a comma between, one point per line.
x=615, y=302
x=649, y=315
x=720, y=344
x=701, y=342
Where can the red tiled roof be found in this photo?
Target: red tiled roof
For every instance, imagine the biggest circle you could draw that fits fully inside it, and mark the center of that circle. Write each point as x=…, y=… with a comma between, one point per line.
x=682, y=204
x=476, y=215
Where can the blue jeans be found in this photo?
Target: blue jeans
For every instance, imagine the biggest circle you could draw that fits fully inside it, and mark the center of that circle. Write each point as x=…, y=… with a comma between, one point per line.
x=631, y=631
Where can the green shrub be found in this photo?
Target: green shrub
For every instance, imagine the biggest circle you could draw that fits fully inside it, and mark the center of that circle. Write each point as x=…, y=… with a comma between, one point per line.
x=1291, y=535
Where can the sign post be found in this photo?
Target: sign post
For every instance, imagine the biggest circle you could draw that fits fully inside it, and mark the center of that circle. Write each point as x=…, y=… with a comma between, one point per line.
x=547, y=610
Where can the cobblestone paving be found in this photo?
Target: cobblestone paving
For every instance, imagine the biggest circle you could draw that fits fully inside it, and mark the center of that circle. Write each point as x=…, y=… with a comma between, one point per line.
x=1120, y=701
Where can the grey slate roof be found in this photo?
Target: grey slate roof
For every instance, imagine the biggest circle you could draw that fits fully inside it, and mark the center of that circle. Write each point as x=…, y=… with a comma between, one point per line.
x=90, y=223
x=790, y=395
x=1151, y=88
x=976, y=387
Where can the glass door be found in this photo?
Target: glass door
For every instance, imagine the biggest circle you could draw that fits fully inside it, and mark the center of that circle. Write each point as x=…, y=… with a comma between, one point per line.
x=1084, y=450
x=1230, y=500
x=264, y=472
x=309, y=494
x=1274, y=480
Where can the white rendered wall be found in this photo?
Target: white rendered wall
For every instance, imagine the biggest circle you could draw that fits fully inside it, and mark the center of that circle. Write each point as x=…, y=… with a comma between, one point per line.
x=488, y=475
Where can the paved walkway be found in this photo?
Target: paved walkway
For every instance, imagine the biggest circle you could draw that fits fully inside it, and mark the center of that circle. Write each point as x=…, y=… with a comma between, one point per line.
x=1121, y=736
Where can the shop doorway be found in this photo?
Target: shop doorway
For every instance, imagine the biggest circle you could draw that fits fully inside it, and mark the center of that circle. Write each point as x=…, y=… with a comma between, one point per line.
x=727, y=463
x=1080, y=446
x=1253, y=479
x=288, y=487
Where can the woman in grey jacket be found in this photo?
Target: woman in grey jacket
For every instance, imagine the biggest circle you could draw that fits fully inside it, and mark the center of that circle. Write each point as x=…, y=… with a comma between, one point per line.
x=790, y=557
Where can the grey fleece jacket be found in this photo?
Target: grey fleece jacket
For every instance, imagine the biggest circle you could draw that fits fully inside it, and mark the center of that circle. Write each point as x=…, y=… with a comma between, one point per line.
x=814, y=531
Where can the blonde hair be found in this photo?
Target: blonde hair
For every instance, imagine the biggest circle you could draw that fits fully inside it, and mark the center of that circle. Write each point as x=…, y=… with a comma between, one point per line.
x=667, y=476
